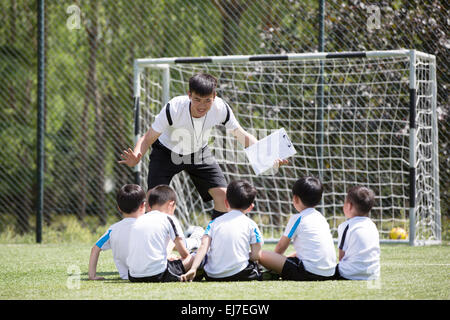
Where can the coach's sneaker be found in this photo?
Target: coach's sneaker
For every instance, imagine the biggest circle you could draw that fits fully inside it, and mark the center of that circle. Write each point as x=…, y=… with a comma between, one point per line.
x=194, y=230
x=194, y=236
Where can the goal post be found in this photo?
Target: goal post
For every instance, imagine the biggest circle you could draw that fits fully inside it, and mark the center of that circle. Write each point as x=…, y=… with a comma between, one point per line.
x=375, y=125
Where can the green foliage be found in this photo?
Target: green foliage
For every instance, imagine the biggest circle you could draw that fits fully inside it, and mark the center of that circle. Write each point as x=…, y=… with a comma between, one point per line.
x=63, y=229
x=89, y=71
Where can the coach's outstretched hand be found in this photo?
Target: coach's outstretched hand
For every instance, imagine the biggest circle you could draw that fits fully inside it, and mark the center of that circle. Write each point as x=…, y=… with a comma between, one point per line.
x=129, y=158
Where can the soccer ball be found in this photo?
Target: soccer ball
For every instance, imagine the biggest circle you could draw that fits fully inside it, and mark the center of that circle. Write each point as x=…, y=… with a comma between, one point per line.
x=398, y=233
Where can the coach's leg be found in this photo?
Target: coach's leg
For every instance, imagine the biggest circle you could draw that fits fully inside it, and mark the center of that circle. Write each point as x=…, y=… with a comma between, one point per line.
x=218, y=194
x=272, y=261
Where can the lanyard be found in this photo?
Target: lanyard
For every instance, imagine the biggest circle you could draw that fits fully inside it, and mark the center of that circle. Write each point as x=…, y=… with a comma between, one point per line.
x=193, y=127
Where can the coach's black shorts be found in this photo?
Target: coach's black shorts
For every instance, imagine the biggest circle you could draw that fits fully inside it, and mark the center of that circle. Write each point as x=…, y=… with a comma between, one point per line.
x=172, y=273
x=251, y=272
x=201, y=167
x=293, y=269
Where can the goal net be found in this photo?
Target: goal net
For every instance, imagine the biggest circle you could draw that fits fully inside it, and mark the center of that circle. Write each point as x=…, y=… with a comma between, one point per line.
x=366, y=118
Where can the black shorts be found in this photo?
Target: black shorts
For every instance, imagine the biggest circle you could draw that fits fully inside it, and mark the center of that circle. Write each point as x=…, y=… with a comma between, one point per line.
x=251, y=272
x=294, y=269
x=337, y=275
x=172, y=273
x=201, y=167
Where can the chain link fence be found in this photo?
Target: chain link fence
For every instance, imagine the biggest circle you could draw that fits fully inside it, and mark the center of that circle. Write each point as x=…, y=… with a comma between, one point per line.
x=90, y=49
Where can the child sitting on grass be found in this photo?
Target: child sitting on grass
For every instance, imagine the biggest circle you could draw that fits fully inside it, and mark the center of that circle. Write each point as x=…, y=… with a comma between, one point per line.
x=131, y=204
x=149, y=237
x=358, y=238
x=192, y=239
x=232, y=241
x=315, y=256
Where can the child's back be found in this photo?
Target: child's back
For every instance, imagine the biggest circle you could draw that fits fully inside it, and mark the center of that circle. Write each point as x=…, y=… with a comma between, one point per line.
x=231, y=235
x=131, y=204
x=232, y=241
x=149, y=237
x=312, y=241
x=315, y=257
x=359, y=238
x=116, y=238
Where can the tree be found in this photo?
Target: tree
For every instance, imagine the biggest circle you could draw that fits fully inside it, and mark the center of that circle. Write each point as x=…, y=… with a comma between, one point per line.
x=231, y=11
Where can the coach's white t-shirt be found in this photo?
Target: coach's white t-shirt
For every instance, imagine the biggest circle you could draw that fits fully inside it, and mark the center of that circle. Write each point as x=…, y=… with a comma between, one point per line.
x=149, y=237
x=231, y=236
x=359, y=238
x=188, y=134
x=312, y=241
x=116, y=238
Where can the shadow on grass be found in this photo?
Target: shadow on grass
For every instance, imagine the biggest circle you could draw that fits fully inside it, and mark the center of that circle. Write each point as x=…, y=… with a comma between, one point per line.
x=118, y=279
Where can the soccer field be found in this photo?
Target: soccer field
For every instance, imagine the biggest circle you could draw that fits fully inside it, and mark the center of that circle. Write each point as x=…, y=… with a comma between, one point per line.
x=53, y=271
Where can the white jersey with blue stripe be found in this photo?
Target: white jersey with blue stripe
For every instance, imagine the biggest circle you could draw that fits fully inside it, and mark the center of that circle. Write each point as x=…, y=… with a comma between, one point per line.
x=116, y=238
x=312, y=241
x=231, y=236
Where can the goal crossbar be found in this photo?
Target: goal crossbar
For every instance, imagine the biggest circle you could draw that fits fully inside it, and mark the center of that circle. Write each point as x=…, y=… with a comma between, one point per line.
x=144, y=62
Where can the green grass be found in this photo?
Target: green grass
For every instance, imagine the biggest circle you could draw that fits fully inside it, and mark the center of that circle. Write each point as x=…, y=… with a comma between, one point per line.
x=46, y=271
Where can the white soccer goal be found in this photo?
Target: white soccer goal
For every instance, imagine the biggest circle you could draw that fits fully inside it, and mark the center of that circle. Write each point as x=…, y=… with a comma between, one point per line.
x=364, y=118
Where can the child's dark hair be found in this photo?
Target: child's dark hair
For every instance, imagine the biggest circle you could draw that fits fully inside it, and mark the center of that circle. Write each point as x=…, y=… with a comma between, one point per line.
x=130, y=197
x=362, y=198
x=309, y=190
x=203, y=84
x=240, y=194
x=161, y=194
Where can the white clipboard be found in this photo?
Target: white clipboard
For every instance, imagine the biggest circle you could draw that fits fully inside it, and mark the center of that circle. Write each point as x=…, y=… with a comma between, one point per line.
x=263, y=154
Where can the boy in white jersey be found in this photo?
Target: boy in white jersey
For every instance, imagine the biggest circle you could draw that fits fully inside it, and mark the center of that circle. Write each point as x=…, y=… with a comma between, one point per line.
x=358, y=238
x=315, y=256
x=149, y=237
x=193, y=235
x=179, y=139
x=232, y=242
x=131, y=204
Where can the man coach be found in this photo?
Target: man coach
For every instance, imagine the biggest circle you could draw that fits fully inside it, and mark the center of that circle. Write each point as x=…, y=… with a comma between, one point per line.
x=179, y=138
